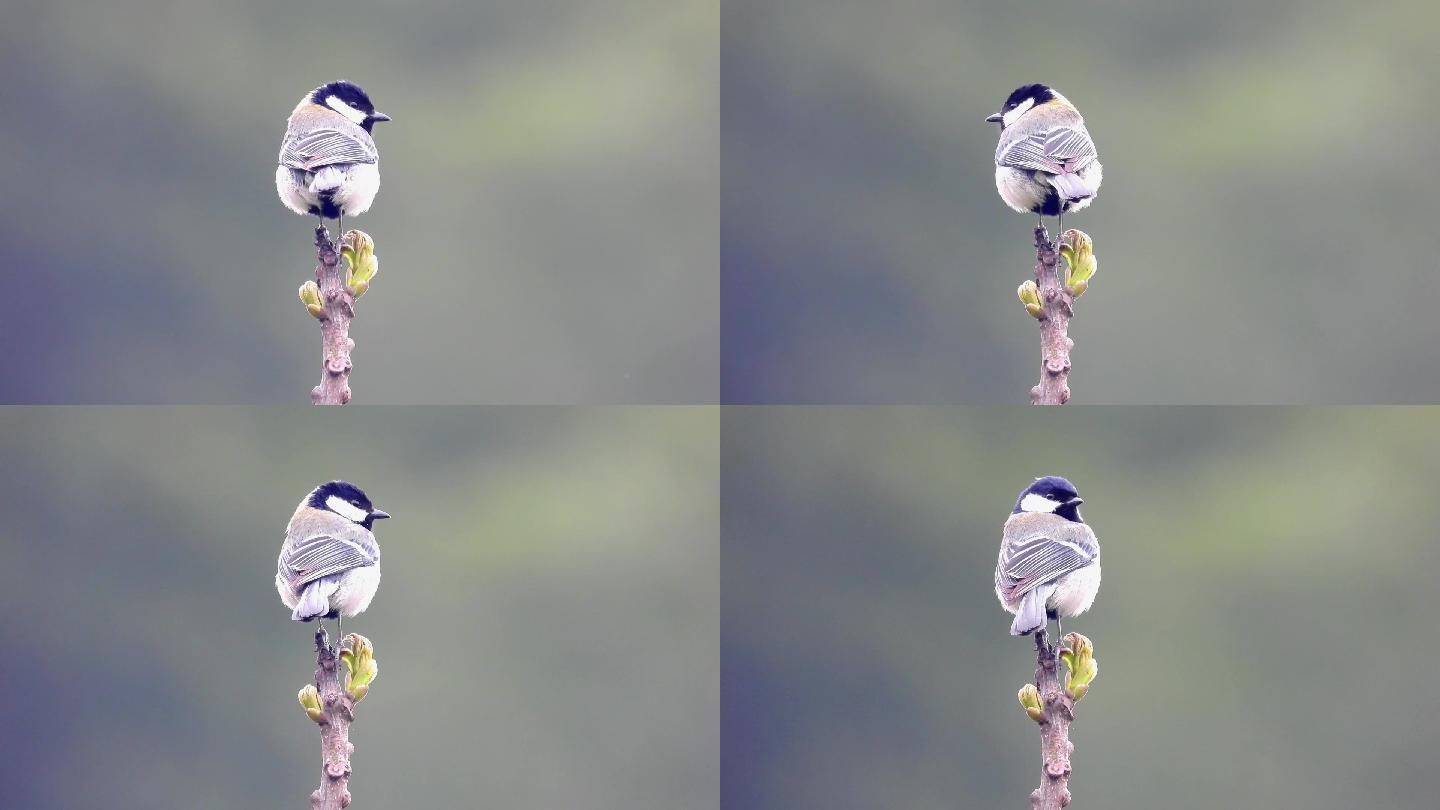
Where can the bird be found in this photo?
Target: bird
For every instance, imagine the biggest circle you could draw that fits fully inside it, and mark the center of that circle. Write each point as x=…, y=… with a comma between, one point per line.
x=329, y=565
x=1045, y=162
x=329, y=166
x=1049, y=563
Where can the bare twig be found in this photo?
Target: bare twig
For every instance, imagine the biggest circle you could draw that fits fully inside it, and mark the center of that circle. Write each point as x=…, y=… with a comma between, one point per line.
x=339, y=309
x=1057, y=307
x=1055, y=746
x=338, y=710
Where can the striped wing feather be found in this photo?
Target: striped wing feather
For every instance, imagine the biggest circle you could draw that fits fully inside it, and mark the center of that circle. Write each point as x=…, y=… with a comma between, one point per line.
x=1036, y=560
x=321, y=556
x=1059, y=150
x=325, y=147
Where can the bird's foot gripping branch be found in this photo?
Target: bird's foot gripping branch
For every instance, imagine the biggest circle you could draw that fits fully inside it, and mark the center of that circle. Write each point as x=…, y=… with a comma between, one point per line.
x=333, y=709
x=1051, y=704
x=331, y=300
x=1050, y=298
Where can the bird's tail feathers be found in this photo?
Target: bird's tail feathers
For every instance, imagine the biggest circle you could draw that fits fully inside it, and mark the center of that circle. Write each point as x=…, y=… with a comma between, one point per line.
x=1071, y=186
x=328, y=178
x=1030, y=615
x=314, y=600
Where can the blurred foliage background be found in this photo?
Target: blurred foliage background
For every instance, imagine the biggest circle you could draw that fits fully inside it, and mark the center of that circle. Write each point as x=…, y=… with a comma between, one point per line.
x=546, y=223
x=1262, y=234
x=545, y=630
x=1264, y=630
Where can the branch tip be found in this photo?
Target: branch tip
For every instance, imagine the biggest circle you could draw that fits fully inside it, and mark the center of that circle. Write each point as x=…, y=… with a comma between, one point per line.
x=336, y=707
x=1056, y=709
x=330, y=298
x=1050, y=298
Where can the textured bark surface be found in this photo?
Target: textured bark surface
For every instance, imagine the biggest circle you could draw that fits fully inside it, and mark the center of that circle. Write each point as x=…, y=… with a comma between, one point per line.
x=1055, y=344
x=1055, y=748
x=334, y=387
x=335, y=747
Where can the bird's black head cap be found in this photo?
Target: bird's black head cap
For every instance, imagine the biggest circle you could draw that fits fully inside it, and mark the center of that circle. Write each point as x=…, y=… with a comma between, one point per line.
x=349, y=93
x=1039, y=92
x=1054, y=489
x=347, y=492
x=1036, y=94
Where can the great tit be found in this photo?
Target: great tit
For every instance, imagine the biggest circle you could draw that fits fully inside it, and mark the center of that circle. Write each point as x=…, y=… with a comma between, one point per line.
x=329, y=167
x=1049, y=559
x=1045, y=163
x=329, y=566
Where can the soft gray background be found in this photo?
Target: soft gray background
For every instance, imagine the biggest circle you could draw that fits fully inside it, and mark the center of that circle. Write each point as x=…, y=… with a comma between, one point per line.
x=546, y=224
x=546, y=629
x=1265, y=234
x=1265, y=630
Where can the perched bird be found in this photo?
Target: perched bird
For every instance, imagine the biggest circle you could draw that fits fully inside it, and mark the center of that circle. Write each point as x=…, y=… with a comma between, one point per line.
x=329, y=167
x=1045, y=162
x=1049, y=559
x=329, y=566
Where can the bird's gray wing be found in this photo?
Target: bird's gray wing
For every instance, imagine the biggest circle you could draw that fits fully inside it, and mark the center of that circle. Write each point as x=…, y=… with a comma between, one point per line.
x=1032, y=561
x=321, y=555
x=1060, y=149
x=325, y=147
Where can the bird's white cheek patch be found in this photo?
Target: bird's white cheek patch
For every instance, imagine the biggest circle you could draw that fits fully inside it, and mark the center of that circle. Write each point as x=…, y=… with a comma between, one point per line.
x=1037, y=503
x=1014, y=115
x=344, y=109
x=345, y=509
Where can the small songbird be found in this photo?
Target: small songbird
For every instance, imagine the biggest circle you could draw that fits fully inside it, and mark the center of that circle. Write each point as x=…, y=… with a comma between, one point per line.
x=1045, y=162
x=1049, y=559
x=329, y=167
x=329, y=566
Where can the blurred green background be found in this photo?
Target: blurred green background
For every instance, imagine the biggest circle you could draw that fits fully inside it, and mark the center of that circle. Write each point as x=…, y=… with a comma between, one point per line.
x=1265, y=629
x=546, y=223
x=1263, y=234
x=546, y=629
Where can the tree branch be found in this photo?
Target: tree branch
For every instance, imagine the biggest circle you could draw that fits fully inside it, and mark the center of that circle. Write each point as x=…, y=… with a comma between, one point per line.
x=337, y=712
x=1057, y=307
x=1055, y=747
x=338, y=310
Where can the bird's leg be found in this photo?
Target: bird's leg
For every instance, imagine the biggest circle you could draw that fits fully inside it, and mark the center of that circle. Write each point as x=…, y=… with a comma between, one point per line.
x=339, y=628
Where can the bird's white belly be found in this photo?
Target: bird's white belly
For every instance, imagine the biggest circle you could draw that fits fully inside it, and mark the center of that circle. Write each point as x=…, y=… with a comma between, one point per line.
x=1091, y=175
x=1019, y=189
x=352, y=187
x=1075, y=592
x=295, y=196
x=356, y=588
x=362, y=182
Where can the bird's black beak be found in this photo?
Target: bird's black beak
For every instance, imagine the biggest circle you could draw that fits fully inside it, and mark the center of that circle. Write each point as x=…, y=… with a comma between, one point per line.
x=377, y=514
x=995, y=119
x=379, y=116
x=1076, y=501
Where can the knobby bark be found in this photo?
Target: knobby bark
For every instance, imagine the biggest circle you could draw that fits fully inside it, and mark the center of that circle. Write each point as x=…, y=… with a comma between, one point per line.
x=1055, y=747
x=335, y=747
x=334, y=387
x=1057, y=307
